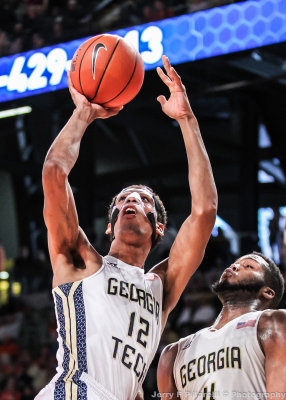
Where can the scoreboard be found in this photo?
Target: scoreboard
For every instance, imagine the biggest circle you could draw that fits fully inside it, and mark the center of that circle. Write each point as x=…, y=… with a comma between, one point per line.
x=208, y=33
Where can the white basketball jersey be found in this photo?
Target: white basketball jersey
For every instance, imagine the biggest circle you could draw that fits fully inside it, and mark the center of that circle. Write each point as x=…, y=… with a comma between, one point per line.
x=109, y=328
x=223, y=364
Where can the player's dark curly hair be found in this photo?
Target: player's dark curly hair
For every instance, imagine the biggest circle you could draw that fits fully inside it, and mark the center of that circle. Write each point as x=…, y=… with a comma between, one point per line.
x=160, y=208
x=273, y=279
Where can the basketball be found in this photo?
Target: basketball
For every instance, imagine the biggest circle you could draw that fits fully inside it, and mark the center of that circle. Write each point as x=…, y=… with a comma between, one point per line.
x=107, y=70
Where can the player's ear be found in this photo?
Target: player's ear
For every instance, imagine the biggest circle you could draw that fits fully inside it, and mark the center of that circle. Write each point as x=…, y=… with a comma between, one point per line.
x=267, y=293
x=108, y=230
x=160, y=229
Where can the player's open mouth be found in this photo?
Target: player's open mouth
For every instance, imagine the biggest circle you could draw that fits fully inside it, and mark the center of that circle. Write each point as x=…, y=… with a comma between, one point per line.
x=129, y=211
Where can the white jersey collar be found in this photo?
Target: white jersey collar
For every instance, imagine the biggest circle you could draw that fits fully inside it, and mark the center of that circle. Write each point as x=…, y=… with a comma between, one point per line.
x=122, y=265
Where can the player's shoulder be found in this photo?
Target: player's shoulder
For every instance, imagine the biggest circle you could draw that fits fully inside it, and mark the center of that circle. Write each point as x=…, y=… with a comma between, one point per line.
x=272, y=319
x=271, y=331
x=273, y=316
x=168, y=356
x=170, y=351
x=160, y=269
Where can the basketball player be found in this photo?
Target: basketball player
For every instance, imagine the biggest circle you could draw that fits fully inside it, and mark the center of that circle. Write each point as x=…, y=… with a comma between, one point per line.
x=243, y=354
x=110, y=314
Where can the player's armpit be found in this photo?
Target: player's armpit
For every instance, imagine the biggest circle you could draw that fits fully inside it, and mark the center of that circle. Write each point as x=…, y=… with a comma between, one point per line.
x=272, y=336
x=165, y=378
x=73, y=265
x=59, y=208
x=140, y=395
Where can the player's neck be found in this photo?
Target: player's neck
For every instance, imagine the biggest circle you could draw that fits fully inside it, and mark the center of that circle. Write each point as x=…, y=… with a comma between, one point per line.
x=129, y=254
x=232, y=311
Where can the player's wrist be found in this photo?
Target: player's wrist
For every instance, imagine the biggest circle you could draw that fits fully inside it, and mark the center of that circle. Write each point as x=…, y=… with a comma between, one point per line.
x=187, y=118
x=84, y=115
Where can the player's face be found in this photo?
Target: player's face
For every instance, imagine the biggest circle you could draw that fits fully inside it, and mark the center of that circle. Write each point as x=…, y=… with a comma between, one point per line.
x=134, y=204
x=244, y=282
x=131, y=202
x=242, y=270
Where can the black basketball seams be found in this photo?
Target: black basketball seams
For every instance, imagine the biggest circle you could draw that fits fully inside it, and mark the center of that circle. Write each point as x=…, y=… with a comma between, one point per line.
x=95, y=40
x=134, y=69
x=108, y=62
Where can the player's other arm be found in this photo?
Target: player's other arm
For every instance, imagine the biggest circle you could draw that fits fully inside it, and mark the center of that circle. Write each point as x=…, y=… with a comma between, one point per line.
x=165, y=377
x=64, y=234
x=188, y=249
x=272, y=336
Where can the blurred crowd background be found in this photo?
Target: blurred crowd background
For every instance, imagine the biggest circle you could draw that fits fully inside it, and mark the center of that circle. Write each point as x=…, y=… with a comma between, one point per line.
x=27, y=321
x=32, y=24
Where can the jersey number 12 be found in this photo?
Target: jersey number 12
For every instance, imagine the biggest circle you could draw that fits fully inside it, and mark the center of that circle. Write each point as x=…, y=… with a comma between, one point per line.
x=144, y=331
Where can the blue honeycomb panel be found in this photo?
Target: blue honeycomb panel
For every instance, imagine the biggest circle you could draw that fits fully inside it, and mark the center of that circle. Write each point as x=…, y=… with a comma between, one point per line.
x=208, y=33
x=230, y=28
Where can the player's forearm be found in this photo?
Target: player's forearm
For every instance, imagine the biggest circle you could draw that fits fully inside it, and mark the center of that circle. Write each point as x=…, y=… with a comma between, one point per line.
x=275, y=384
x=275, y=371
x=276, y=391
x=64, y=150
x=201, y=181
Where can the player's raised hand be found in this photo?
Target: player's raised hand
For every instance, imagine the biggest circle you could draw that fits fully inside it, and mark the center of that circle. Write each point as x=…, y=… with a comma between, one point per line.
x=92, y=111
x=177, y=106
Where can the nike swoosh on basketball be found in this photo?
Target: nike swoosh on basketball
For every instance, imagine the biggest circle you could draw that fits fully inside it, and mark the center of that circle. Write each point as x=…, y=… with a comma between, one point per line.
x=95, y=51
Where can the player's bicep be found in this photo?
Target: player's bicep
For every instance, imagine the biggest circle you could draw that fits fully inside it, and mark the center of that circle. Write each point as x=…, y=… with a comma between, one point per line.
x=272, y=328
x=165, y=378
x=186, y=254
x=59, y=209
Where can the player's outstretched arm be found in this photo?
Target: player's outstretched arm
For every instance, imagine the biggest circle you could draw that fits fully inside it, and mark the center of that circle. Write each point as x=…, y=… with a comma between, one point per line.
x=272, y=336
x=60, y=213
x=165, y=378
x=188, y=249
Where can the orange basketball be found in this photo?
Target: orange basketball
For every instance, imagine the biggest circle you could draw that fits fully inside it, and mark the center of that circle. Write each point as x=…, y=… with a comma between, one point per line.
x=107, y=70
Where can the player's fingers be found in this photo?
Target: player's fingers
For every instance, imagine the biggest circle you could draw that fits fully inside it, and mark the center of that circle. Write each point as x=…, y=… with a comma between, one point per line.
x=162, y=100
x=69, y=79
x=115, y=109
x=104, y=112
x=174, y=75
x=166, y=64
x=112, y=110
x=164, y=77
x=70, y=84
